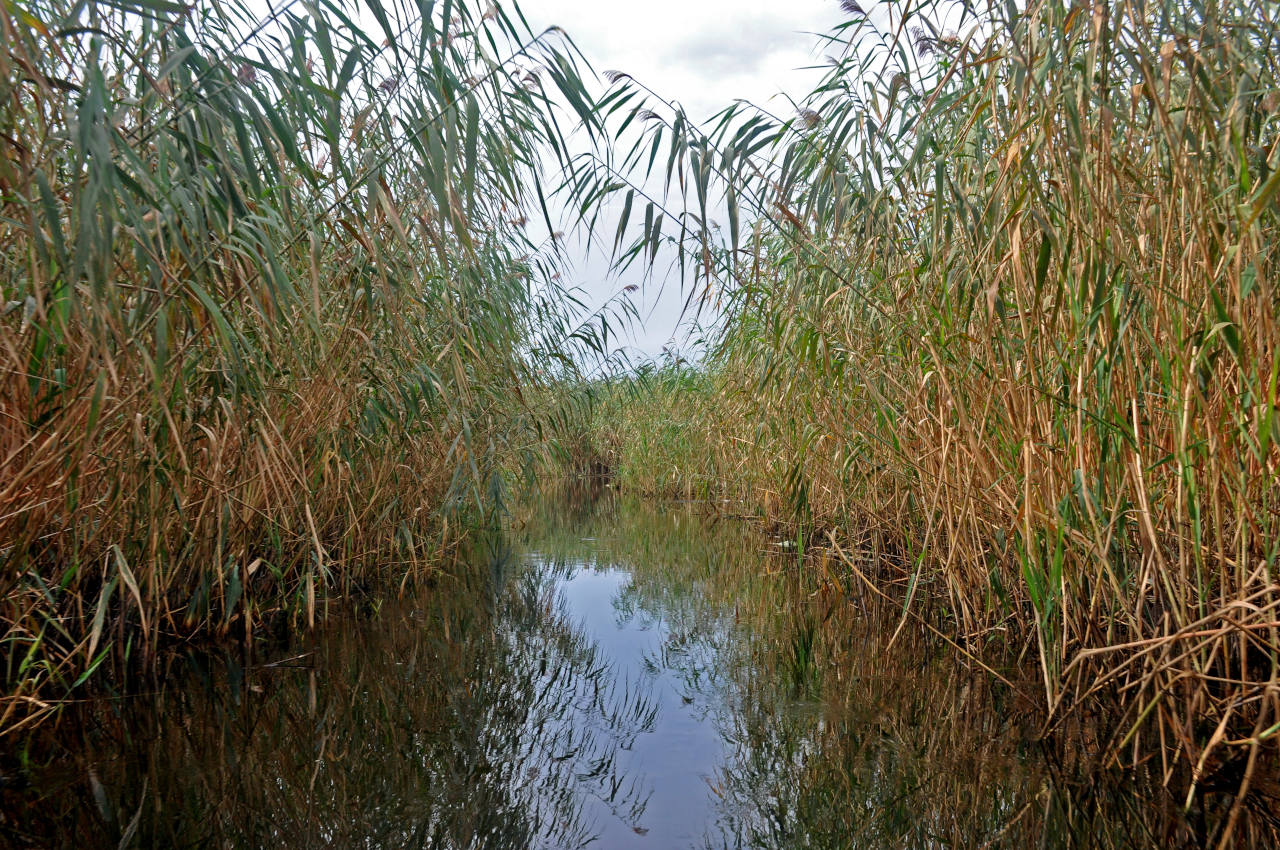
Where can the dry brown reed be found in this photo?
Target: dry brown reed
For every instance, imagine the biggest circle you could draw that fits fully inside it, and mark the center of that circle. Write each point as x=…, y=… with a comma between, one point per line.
x=1006, y=312
x=271, y=312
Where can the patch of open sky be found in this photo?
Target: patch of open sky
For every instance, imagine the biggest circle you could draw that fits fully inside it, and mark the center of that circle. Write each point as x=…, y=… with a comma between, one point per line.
x=703, y=55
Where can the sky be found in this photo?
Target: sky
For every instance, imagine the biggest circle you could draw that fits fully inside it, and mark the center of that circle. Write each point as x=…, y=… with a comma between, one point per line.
x=704, y=54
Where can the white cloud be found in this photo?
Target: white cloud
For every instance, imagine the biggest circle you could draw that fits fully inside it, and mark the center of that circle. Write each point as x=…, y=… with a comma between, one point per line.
x=740, y=49
x=703, y=53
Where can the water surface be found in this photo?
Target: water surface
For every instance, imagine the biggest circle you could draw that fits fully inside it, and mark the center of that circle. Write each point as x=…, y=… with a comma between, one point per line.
x=613, y=675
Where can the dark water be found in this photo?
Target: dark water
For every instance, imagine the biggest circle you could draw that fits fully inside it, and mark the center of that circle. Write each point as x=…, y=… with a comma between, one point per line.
x=613, y=676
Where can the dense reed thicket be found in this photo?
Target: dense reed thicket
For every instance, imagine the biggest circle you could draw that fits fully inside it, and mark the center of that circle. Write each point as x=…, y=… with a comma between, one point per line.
x=996, y=310
x=271, y=313
x=1000, y=308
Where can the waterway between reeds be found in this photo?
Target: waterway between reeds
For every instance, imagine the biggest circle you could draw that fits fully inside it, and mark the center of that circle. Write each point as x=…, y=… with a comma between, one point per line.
x=615, y=674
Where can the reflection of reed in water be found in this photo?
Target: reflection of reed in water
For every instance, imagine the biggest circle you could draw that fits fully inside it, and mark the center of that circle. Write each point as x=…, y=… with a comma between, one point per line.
x=447, y=722
x=903, y=748
x=480, y=716
x=580, y=713
x=841, y=737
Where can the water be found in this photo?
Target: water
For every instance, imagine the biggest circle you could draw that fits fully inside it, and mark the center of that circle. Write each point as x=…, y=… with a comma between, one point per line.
x=613, y=676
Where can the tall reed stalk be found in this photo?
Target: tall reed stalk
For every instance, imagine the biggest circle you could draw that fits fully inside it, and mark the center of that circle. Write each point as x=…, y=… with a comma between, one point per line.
x=271, y=310
x=1000, y=300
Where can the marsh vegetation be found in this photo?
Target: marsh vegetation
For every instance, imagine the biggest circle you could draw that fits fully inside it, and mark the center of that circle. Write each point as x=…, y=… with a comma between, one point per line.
x=1002, y=320
x=991, y=339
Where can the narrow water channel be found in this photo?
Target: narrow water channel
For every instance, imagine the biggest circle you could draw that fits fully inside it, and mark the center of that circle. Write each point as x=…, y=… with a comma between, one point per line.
x=613, y=675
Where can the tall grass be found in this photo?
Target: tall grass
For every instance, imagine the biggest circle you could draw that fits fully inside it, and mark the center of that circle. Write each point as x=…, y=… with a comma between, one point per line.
x=646, y=429
x=1000, y=301
x=271, y=310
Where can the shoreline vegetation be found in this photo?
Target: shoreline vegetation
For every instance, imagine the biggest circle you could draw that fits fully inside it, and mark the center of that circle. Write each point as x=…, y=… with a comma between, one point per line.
x=1003, y=324
x=416, y=711
x=275, y=324
x=994, y=316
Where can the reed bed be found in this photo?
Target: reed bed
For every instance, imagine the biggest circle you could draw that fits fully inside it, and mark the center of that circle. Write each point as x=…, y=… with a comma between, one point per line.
x=999, y=313
x=996, y=312
x=272, y=310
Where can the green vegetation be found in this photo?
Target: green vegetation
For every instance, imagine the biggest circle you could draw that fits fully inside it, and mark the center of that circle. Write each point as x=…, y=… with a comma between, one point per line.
x=996, y=318
x=1001, y=314
x=274, y=323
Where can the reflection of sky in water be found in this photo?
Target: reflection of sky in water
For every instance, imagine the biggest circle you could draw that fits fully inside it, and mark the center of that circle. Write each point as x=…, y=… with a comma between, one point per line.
x=677, y=759
x=650, y=685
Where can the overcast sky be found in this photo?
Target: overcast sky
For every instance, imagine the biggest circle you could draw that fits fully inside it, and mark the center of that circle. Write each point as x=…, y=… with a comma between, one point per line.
x=703, y=53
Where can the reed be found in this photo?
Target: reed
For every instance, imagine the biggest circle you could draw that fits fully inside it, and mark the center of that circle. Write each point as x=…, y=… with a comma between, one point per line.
x=272, y=310
x=1000, y=313
x=996, y=312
